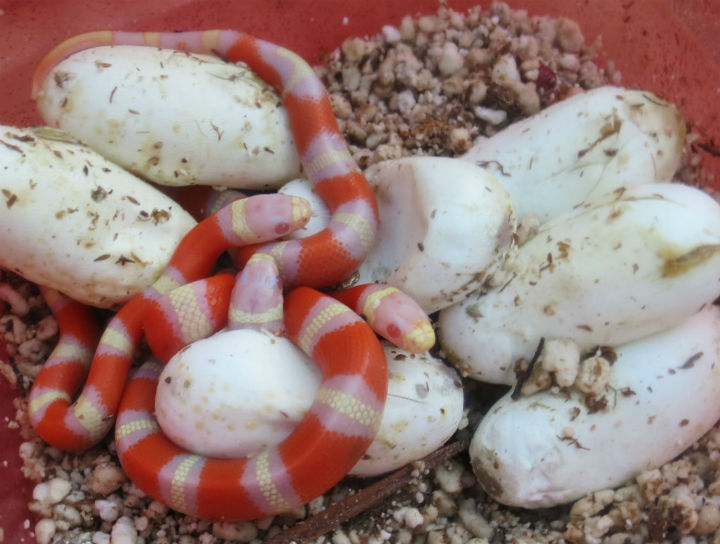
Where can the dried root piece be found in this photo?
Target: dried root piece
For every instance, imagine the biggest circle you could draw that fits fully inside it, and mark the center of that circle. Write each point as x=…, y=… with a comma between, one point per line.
x=364, y=500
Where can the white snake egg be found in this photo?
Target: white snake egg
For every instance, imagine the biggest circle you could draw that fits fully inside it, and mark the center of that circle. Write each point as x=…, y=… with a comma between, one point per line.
x=550, y=448
x=582, y=147
x=434, y=243
x=174, y=118
x=612, y=271
x=423, y=409
x=78, y=223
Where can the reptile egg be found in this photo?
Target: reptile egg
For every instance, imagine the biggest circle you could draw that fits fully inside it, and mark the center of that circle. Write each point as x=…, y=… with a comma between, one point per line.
x=582, y=147
x=553, y=447
x=423, y=409
x=616, y=269
x=235, y=393
x=173, y=118
x=434, y=243
x=78, y=223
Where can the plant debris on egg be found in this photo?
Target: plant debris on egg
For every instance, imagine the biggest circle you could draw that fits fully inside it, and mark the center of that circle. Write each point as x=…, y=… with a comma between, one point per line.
x=554, y=447
x=174, y=118
x=583, y=147
x=78, y=223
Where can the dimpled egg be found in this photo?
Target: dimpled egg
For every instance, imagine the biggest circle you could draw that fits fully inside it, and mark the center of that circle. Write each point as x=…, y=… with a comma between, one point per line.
x=432, y=244
x=442, y=223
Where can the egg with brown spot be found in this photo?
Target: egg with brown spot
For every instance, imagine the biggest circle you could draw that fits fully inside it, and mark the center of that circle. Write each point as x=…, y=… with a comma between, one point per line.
x=591, y=291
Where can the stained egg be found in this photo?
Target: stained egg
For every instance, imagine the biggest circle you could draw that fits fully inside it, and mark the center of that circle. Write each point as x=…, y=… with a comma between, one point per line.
x=624, y=266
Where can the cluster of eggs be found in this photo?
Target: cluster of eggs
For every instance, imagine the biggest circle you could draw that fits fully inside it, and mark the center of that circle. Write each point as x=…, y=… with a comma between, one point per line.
x=563, y=227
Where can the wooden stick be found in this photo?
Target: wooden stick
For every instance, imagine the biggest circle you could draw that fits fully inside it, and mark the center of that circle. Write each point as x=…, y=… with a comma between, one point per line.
x=365, y=499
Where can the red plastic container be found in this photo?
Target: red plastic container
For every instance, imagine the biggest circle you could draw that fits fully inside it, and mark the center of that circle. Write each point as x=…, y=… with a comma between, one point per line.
x=671, y=47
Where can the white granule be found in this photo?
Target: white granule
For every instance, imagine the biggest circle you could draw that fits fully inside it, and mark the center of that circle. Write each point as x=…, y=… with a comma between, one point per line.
x=44, y=531
x=108, y=510
x=52, y=492
x=123, y=532
x=561, y=357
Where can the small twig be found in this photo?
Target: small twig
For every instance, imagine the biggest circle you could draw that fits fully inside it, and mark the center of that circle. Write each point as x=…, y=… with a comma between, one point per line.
x=365, y=499
x=524, y=377
x=650, y=99
x=710, y=148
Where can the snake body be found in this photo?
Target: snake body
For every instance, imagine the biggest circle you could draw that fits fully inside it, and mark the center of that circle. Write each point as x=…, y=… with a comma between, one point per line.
x=336, y=431
x=183, y=305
